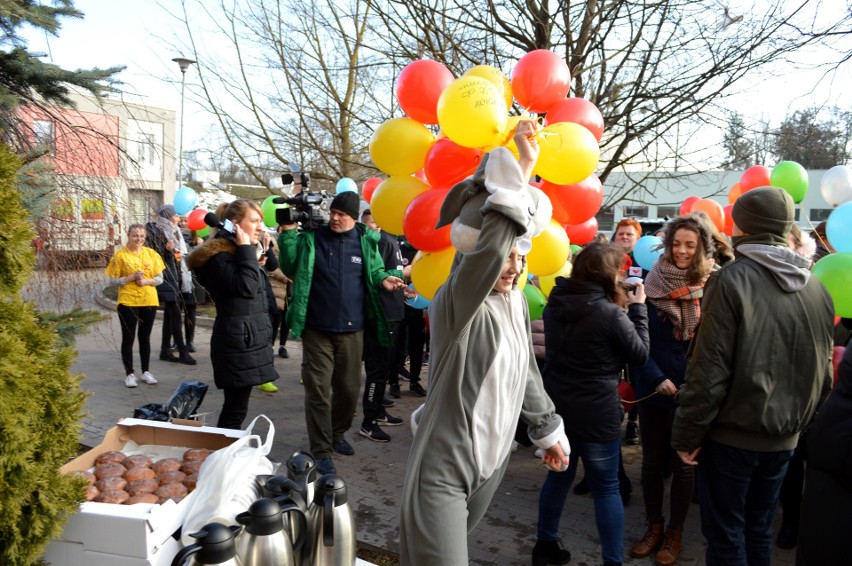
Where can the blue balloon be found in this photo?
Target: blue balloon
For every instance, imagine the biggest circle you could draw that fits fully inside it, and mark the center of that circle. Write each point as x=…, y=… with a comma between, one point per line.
x=185, y=200
x=838, y=228
x=647, y=251
x=346, y=185
x=418, y=302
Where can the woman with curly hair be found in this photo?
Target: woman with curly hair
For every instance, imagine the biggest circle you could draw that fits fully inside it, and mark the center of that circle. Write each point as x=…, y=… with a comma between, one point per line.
x=674, y=287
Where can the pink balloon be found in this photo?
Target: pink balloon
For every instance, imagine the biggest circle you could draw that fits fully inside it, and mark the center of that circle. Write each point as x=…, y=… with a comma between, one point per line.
x=540, y=79
x=418, y=88
x=577, y=110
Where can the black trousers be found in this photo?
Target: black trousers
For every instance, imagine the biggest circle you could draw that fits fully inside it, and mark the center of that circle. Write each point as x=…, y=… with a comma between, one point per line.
x=172, y=327
x=284, y=328
x=235, y=407
x=379, y=364
x=188, y=308
x=133, y=318
x=412, y=339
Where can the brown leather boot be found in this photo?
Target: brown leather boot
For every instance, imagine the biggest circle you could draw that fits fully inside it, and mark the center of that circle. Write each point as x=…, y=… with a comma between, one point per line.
x=670, y=549
x=650, y=542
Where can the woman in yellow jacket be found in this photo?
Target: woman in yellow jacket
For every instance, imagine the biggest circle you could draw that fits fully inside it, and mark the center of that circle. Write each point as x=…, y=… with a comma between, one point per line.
x=138, y=270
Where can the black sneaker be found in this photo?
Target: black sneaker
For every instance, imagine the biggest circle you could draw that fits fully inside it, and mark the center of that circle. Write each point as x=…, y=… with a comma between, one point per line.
x=374, y=432
x=403, y=374
x=417, y=389
x=388, y=420
x=387, y=402
x=282, y=352
x=394, y=391
x=325, y=466
x=185, y=358
x=190, y=347
x=167, y=356
x=631, y=434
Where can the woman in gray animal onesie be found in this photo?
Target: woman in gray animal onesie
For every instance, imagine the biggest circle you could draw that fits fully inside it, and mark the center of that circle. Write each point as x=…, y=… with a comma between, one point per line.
x=483, y=373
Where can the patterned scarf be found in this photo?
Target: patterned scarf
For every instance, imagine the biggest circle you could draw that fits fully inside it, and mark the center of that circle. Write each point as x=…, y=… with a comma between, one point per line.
x=676, y=300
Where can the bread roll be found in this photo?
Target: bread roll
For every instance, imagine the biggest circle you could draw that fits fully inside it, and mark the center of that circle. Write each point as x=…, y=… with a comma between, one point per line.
x=190, y=482
x=140, y=473
x=110, y=469
x=142, y=498
x=171, y=490
x=112, y=457
x=196, y=454
x=88, y=476
x=92, y=492
x=166, y=465
x=113, y=496
x=192, y=467
x=111, y=482
x=146, y=485
x=137, y=460
x=172, y=477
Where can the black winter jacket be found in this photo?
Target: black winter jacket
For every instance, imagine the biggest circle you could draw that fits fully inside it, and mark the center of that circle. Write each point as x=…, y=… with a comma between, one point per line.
x=589, y=340
x=240, y=347
x=667, y=361
x=827, y=503
x=169, y=290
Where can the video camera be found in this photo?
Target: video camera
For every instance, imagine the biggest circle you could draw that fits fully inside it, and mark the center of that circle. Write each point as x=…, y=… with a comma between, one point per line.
x=310, y=208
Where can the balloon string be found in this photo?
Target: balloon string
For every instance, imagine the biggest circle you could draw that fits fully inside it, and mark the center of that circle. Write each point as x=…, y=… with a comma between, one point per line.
x=640, y=400
x=814, y=232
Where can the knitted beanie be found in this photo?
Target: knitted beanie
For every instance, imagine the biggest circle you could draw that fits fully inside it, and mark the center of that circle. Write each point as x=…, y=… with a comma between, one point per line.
x=166, y=211
x=764, y=210
x=348, y=203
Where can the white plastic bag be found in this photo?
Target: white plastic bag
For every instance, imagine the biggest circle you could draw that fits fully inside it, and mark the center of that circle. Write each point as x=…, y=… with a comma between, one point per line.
x=225, y=485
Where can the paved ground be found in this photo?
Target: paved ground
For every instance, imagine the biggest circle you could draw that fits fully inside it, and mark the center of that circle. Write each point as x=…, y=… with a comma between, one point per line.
x=375, y=473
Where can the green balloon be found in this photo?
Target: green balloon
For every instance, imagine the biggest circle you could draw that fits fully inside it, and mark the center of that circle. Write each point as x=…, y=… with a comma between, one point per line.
x=791, y=177
x=203, y=233
x=575, y=249
x=268, y=208
x=835, y=272
x=535, y=300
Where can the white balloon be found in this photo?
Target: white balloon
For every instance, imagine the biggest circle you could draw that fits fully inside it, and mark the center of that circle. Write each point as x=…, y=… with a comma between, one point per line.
x=836, y=185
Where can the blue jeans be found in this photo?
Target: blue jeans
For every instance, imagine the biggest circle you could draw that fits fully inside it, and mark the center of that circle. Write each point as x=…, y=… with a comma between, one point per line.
x=600, y=460
x=738, y=494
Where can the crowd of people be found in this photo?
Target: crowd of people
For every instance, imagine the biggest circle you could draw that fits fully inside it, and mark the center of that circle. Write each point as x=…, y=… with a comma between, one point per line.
x=727, y=345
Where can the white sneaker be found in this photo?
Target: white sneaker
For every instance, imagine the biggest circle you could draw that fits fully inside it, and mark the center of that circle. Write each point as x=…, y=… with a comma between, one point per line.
x=515, y=446
x=148, y=378
x=130, y=380
x=539, y=453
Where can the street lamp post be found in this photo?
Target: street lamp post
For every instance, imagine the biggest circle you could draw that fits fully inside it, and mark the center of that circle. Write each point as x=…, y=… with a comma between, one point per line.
x=184, y=64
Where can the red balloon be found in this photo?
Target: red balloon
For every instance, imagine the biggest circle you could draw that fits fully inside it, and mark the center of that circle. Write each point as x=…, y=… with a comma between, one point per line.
x=583, y=233
x=712, y=209
x=540, y=79
x=369, y=187
x=753, y=177
x=195, y=219
x=447, y=162
x=627, y=264
x=418, y=88
x=729, y=220
x=577, y=110
x=574, y=204
x=686, y=206
x=419, y=221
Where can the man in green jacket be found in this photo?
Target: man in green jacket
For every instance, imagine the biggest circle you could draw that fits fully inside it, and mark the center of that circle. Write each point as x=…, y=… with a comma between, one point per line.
x=760, y=367
x=337, y=273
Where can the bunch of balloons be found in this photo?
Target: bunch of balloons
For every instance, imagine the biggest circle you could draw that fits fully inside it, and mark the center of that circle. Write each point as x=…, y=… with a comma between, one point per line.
x=835, y=270
x=195, y=221
x=472, y=116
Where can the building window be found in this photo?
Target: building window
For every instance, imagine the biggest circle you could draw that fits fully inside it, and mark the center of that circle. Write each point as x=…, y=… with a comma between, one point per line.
x=606, y=219
x=819, y=214
x=668, y=211
x=43, y=134
x=145, y=149
x=639, y=211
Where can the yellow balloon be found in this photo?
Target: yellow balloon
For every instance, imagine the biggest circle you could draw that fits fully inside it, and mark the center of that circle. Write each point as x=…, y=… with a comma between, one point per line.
x=471, y=112
x=510, y=144
x=547, y=282
x=569, y=153
x=496, y=77
x=391, y=198
x=549, y=251
x=399, y=146
x=522, y=279
x=430, y=270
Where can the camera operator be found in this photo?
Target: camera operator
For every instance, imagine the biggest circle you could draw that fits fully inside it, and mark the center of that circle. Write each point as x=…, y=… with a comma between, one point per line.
x=337, y=273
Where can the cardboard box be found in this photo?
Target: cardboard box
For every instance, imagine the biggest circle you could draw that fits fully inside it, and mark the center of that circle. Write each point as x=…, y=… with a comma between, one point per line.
x=136, y=535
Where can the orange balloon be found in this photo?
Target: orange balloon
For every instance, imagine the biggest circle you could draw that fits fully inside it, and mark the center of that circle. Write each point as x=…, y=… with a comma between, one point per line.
x=712, y=209
x=734, y=193
x=729, y=220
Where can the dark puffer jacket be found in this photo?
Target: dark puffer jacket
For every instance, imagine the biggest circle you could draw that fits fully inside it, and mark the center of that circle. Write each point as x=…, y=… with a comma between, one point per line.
x=589, y=340
x=827, y=503
x=240, y=347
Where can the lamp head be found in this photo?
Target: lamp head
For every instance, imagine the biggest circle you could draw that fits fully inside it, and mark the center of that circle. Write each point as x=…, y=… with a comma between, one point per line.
x=184, y=63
